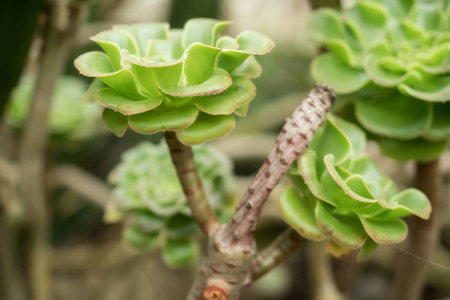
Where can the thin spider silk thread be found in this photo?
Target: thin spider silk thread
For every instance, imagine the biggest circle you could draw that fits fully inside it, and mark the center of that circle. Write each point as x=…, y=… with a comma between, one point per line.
x=421, y=258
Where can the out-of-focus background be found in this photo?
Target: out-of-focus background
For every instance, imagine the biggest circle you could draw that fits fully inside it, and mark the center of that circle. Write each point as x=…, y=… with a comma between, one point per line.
x=88, y=258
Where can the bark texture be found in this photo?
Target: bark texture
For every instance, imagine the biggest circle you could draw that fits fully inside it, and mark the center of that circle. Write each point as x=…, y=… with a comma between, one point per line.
x=231, y=248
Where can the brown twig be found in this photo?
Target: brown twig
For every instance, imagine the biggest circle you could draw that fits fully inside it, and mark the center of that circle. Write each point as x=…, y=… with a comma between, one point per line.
x=422, y=238
x=231, y=247
x=57, y=41
x=276, y=253
x=183, y=160
x=321, y=275
x=81, y=182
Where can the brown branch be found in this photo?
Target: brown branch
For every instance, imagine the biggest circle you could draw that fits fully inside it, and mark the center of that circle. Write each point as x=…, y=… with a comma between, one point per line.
x=81, y=182
x=231, y=247
x=422, y=238
x=57, y=44
x=183, y=160
x=321, y=275
x=276, y=253
x=293, y=140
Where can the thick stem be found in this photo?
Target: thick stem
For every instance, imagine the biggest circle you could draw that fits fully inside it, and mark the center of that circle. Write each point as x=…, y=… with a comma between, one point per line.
x=231, y=248
x=321, y=275
x=276, y=253
x=422, y=237
x=57, y=42
x=183, y=160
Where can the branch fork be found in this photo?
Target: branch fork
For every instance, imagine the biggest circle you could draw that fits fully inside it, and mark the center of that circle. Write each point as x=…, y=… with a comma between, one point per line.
x=231, y=261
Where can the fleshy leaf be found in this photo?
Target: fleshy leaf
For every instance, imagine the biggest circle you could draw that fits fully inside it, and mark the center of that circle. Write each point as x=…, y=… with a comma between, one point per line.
x=199, y=63
x=140, y=239
x=118, y=102
x=242, y=110
x=327, y=68
x=215, y=84
x=440, y=126
x=143, y=32
x=181, y=226
x=115, y=121
x=410, y=201
x=249, y=68
x=406, y=117
x=112, y=41
x=417, y=149
x=353, y=133
x=331, y=137
x=346, y=231
x=386, y=231
x=299, y=214
x=161, y=119
x=239, y=93
x=338, y=251
x=177, y=253
x=367, y=249
x=98, y=64
x=307, y=168
x=434, y=88
x=96, y=85
x=204, y=31
x=206, y=127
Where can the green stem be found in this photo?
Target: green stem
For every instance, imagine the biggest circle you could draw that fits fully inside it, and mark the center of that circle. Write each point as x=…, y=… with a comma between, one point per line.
x=412, y=272
x=183, y=160
x=276, y=253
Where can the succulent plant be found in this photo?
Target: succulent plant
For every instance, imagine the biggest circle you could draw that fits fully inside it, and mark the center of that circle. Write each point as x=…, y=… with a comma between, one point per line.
x=342, y=195
x=68, y=117
x=190, y=81
x=147, y=192
x=392, y=60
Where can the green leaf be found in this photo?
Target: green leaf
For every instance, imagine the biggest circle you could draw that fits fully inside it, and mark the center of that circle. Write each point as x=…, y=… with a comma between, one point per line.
x=307, y=168
x=215, y=84
x=177, y=253
x=249, y=68
x=410, y=201
x=367, y=249
x=115, y=121
x=163, y=119
x=144, y=32
x=204, y=31
x=299, y=214
x=353, y=133
x=354, y=186
x=387, y=71
x=199, y=63
x=417, y=149
x=250, y=43
x=432, y=88
x=385, y=231
x=239, y=93
x=169, y=50
x=333, y=141
x=327, y=68
x=365, y=167
x=205, y=128
x=98, y=64
x=140, y=239
x=89, y=95
x=394, y=115
x=181, y=226
x=440, y=126
x=346, y=231
x=112, y=41
x=367, y=20
x=118, y=102
x=242, y=110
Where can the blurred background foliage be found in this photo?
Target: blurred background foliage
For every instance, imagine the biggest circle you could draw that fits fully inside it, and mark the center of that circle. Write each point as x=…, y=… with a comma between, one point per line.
x=88, y=258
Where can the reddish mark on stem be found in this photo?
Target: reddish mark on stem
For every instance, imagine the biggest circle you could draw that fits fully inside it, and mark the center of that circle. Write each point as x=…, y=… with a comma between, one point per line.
x=213, y=292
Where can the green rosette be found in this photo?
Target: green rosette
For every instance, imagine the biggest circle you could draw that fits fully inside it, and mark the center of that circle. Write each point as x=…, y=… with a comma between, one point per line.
x=68, y=119
x=342, y=195
x=148, y=194
x=191, y=81
x=392, y=58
